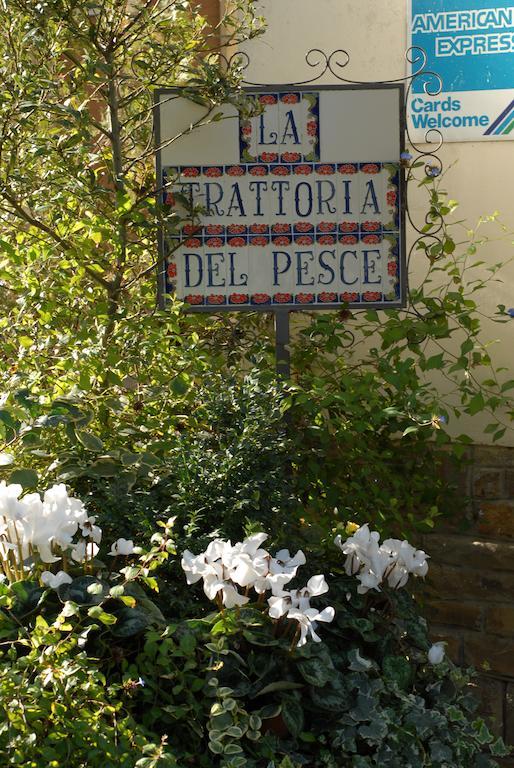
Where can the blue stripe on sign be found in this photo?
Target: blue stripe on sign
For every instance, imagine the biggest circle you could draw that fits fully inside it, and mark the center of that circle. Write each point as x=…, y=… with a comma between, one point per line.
x=499, y=119
x=504, y=123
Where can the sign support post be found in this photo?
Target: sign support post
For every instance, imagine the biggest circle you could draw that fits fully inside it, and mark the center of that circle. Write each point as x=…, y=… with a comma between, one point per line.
x=282, y=354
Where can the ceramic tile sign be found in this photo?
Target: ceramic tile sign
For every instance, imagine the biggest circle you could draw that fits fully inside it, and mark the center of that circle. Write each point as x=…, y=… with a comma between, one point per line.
x=470, y=44
x=298, y=199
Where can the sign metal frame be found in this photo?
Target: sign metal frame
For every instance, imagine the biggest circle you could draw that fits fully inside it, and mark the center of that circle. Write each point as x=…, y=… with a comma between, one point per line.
x=177, y=91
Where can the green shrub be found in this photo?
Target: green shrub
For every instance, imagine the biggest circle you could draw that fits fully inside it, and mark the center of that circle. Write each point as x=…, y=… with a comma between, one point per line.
x=57, y=711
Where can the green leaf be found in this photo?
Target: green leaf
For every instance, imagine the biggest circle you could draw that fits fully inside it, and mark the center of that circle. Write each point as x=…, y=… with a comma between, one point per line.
x=97, y=612
x=128, y=600
x=232, y=749
x=90, y=441
x=131, y=621
x=358, y=663
x=269, y=711
x=188, y=644
x=28, y=596
x=25, y=341
x=8, y=249
x=95, y=588
x=434, y=362
x=279, y=685
x=476, y=404
x=28, y=478
x=397, y=669
x=315, y=672
x=483, y=734
x=79, y=591
x=292, y=714
x=105, y=467
x=180, y=384
x=499, y=749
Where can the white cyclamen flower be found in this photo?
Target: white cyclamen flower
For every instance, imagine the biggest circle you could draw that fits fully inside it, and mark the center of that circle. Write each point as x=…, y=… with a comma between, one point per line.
x=194, y=566
x=359, y=548
x=307, y=621
x=373, y=563
x=297, y=599
x=283, y=562
x=10, y=506
x=91, y=531
x=231, y=597
x=223, y=567
x=84, y=550
x=251, y=545
x=436, y=653
x=54, y=580
x=245, y=571
x=214, y=584
x=408, y=560
x=122, y=547
x=295, y=605
x=65, y=514
x=41, y=526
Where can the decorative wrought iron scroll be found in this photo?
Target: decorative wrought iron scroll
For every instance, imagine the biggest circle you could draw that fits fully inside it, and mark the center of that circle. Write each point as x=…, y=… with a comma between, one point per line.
x=423, y=153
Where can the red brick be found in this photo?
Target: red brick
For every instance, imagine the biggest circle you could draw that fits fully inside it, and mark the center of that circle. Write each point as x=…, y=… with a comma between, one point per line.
x=497, y=518
x=493, y=456
x=487, y=483
x=509, y=483
x=456, y=614
x=499, y=619
x=466, y=584
x=483, y=554
x=492, y=655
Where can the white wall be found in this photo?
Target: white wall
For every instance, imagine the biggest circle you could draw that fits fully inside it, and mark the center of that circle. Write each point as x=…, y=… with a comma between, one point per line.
x=479, y=175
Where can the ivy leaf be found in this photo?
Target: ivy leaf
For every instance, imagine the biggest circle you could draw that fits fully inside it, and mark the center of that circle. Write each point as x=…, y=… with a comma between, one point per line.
x=97, y=612
x=398, y=670
x=499, y=749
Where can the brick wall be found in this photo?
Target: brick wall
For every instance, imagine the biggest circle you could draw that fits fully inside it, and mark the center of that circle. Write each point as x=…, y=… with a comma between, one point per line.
x=469, y=593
